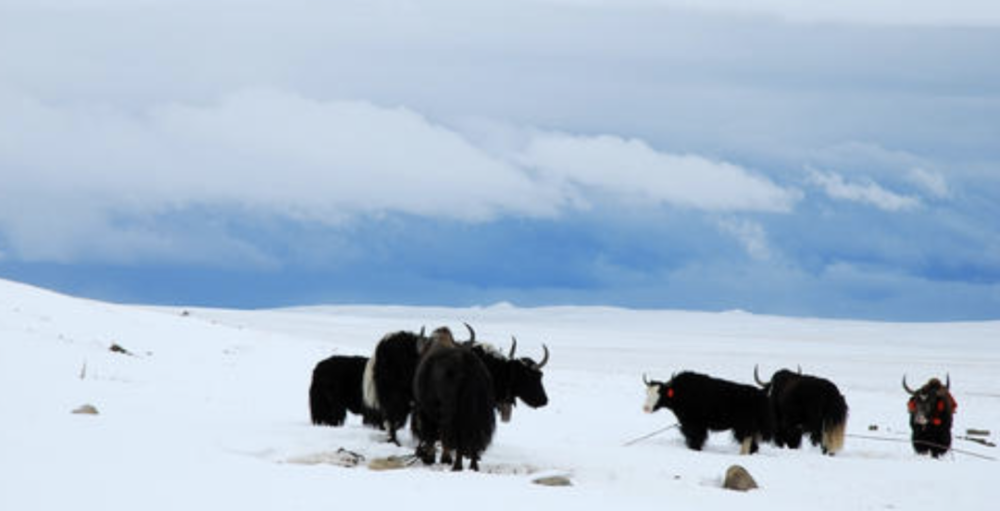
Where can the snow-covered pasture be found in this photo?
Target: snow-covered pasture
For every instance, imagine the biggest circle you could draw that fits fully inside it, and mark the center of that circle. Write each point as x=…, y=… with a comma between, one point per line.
x=210, y=411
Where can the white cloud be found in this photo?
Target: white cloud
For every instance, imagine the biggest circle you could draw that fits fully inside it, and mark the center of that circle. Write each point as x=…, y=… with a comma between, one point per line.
x=72, y=174
x=750, y=234
x=932, y=182
x=633, y=171
x=91, y=181
x=262, y=150
x=865, y=192
x=883, y=12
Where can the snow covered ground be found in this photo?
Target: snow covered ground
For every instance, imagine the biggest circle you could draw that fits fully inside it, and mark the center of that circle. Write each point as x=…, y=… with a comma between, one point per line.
x=210, y=410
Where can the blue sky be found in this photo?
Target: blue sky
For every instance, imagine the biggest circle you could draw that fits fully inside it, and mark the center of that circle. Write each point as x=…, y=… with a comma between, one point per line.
x=838, y=160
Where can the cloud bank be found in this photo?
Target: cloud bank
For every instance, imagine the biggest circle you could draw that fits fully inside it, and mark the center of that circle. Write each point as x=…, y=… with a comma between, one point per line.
x=274, y=153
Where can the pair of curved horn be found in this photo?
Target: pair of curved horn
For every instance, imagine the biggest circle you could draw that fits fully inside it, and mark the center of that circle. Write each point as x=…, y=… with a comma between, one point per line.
x=472, y=333
x=513, y=349
x=756, y=377
x=947, y=384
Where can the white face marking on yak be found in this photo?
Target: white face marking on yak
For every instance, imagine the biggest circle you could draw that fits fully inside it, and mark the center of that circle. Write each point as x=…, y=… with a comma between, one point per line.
x=652, y=397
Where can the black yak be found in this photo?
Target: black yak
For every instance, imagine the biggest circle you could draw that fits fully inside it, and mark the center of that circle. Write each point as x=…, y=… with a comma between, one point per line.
x=336, y=389
x=454, y=404
x=388, y=378
x=802, y=404
x=513, y=378
x=702, y=404
x=931, y=408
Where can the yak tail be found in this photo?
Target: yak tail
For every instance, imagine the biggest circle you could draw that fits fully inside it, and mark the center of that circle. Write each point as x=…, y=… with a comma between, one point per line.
x=834, y=425
x=369, y=392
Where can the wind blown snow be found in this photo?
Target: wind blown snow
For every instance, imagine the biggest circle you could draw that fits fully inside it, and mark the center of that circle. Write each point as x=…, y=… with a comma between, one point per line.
x=209, y=410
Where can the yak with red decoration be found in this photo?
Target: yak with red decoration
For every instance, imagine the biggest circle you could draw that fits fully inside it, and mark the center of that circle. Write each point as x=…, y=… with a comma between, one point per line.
x=931, y=409
x=702, y=403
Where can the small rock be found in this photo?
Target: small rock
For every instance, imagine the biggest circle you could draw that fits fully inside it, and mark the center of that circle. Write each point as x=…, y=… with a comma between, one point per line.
x=873, y=427
x=738, y=479
x=86, y=410
x=391, y=463
x=553, y=481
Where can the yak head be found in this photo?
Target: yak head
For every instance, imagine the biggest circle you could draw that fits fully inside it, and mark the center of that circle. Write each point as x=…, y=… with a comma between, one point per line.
x=513, y=378
x=658, y=394
x=526, y=377
x=441, y=337
x=932, y=405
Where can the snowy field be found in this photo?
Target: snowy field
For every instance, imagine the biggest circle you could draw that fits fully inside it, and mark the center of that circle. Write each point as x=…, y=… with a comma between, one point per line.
x=210, y=410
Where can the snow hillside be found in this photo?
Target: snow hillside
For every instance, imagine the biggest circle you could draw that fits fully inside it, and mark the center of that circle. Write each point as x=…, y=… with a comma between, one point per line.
x=209, y=410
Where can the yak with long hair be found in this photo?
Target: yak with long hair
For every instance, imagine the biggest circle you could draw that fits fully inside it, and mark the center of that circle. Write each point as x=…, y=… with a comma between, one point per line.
x=454, y=404
x=804, y=404
x=931, y=408
x=336, y=389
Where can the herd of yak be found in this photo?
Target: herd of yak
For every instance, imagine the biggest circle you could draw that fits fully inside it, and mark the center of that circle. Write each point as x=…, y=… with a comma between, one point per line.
x=451, y=391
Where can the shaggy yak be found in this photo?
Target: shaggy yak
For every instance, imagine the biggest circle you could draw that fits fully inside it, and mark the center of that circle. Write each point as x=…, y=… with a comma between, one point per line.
x=336, y=389
x=931, y=409
x=388, y=378
x=454, y=404
x=702, y=404
x=802, y=404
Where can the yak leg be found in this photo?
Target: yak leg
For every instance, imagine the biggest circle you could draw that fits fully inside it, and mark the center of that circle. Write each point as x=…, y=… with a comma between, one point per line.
x=427, y=448
x=446, y=455
x=457, y=466
x=748, y=442
x=391, y=428
x=694, y=436
x=816, y=437
x=474, y=463
x=793, y=437
x=338, y=413
x=426, y=451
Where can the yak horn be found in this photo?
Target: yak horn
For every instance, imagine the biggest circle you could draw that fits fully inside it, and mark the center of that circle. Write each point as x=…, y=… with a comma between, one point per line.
x=947, y=382
x=800, y=370
x=907, y=387
x=472, y=333
x=513, y=347
x=422, y=330
x=545, y=358
x=757, y=378
x=645, y=380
